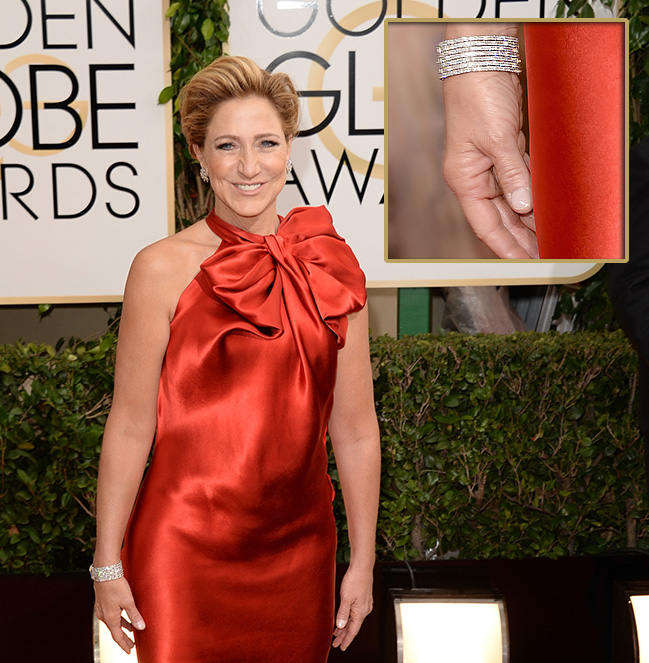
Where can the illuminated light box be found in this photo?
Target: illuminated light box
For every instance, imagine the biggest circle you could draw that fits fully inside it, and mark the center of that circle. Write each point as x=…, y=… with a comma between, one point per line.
x=445, y=626
x=639, y=605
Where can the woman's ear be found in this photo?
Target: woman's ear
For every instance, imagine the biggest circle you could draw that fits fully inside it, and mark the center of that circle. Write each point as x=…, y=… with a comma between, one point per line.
x=198, y=154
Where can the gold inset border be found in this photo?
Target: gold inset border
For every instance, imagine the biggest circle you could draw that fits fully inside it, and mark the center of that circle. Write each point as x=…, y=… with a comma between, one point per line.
x=441, y=282
x=522, y=280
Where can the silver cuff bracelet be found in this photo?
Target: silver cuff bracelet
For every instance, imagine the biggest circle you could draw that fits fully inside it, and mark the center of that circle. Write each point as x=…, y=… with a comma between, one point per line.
x=104, y=573
x=478, y=53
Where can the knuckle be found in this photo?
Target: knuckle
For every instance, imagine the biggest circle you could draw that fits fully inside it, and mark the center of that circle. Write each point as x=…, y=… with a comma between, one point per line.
x=511, y=169
x=116, y=633
x=454, y=171
x=113, y=620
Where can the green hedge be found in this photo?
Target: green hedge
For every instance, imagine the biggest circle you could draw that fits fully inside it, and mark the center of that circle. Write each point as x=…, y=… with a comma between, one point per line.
x=53, y=408
x=509, y=446
x=492, y=446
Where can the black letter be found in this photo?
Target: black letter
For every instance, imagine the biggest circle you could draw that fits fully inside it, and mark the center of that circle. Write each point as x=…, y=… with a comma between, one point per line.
x=136, y=204
x=55, y=190
x=130, y=35
x=335, y=94
x=46, y=17
x=353, y=131
x=367, y=31
x=28, y=27
x=63, y=105
x=344, y=159
x=17, y=194
x=440, y=8
x=19, y=110
x=296, y=33
x=500, y=2
x=295, y=180
x=95, y=106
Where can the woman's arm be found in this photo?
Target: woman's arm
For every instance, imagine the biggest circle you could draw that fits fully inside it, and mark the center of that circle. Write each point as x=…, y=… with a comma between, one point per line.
x=354, y=435
x=143, y=336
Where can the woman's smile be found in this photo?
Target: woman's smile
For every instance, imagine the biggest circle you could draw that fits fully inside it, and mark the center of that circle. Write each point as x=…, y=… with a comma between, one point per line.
x=248, y=187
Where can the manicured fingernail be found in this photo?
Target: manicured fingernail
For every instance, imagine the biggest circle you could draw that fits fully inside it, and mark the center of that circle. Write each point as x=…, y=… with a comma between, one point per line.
x=340, y=623
x=139, y=625
x=521, y=199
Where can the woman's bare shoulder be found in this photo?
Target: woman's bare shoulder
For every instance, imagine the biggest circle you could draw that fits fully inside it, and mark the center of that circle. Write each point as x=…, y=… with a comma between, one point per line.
x=172, y=258
x=167, y=266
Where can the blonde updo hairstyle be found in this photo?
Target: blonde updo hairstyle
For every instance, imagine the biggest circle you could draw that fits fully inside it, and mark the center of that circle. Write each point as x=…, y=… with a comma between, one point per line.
x=234, y=77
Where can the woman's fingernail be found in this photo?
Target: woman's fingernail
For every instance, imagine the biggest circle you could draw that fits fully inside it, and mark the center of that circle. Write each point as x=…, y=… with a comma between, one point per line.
x=139, y=625
x=340, y=623
x=521, y=199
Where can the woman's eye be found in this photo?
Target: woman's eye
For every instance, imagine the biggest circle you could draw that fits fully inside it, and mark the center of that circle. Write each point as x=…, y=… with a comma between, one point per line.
x=225, y=146
x=269, y=143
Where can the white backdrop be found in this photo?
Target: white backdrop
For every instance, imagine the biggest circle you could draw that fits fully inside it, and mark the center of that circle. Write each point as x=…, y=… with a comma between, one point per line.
x=86, y=172
x=333, y=49
x=85, y=150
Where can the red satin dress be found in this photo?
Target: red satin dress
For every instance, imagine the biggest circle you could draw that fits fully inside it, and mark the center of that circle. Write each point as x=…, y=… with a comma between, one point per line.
x=575, y=78
x=230, y=550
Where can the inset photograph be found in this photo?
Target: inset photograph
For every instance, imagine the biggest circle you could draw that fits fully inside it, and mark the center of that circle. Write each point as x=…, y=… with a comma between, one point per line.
x=506, y=140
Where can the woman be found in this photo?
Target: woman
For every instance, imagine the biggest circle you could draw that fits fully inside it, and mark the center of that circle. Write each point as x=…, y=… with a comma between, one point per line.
x=242, y=339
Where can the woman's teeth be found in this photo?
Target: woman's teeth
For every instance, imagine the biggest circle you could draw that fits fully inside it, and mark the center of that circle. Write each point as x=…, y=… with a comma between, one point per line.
x=247, y=187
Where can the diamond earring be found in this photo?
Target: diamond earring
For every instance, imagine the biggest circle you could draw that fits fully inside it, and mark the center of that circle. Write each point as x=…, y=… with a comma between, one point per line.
x=203, y=173
x=289, y=166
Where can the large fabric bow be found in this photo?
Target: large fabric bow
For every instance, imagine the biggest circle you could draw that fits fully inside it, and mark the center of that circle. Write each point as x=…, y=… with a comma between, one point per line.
x=306, y=263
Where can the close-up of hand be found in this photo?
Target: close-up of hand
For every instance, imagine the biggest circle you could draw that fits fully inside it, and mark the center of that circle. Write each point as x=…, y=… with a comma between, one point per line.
x=355, y=605
x=110, y=599
x=485, y=163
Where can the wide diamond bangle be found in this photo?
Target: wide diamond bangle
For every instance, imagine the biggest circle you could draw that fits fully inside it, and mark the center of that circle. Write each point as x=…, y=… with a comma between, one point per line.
x=478, y=53
x=104, y=573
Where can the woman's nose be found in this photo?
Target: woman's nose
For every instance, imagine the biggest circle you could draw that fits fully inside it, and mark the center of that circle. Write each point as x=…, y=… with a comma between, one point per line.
x=249, y=164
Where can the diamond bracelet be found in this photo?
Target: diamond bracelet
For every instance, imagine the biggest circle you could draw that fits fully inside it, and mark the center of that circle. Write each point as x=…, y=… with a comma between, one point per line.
x=478, y=53
x=104, y=573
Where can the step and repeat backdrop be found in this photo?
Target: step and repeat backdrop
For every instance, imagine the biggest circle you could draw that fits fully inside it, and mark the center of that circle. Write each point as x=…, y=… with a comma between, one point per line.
x=86, y=172
x=85, y=149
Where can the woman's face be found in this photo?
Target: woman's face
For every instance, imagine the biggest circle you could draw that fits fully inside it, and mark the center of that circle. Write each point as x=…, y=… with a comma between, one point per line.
x=245, y=154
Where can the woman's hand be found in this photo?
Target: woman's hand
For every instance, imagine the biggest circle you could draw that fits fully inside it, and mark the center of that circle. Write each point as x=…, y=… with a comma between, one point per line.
x=485, y=162
x=355, y=605
x=111, y=597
